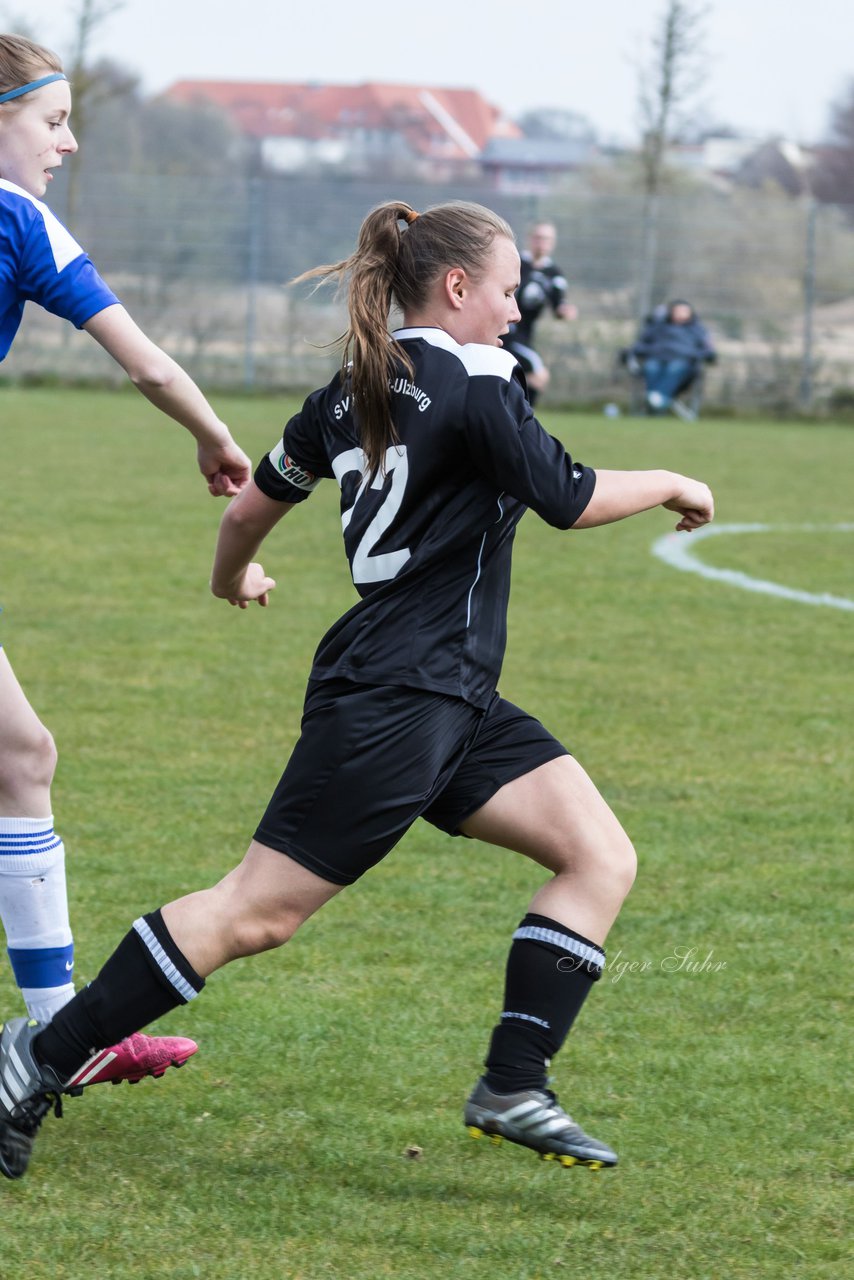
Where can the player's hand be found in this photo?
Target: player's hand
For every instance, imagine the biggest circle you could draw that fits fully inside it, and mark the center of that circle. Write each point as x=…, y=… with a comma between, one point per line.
x=567, y=311
x=694, y=502
x=254, y=585
x=225, y=467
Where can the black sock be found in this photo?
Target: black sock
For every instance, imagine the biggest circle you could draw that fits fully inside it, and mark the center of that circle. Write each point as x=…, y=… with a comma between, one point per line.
x=145, y=977
x=550, y=971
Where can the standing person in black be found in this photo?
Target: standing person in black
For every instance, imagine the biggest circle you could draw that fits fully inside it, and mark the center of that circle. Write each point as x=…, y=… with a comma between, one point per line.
x=437, y=455
x=541, y=284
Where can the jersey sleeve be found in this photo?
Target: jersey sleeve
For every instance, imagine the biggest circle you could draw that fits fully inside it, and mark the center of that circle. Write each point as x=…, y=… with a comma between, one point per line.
x=294, y=467
x=509, y=446
x=55, y=272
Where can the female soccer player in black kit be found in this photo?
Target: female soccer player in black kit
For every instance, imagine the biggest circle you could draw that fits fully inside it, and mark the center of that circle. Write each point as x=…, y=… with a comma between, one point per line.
x=437, y=455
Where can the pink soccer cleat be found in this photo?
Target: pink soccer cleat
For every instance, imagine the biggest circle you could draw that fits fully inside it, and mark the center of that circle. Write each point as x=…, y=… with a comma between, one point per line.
x=133, y=1059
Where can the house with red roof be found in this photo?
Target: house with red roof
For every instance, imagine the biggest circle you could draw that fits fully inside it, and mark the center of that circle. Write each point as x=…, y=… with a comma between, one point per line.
x=420, y=131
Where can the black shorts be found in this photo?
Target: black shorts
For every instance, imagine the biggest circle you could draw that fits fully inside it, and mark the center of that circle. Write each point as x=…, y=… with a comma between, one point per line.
x=371, y=759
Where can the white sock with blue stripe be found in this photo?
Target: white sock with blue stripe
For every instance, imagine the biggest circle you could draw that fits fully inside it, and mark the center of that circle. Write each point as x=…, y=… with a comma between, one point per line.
x=34, y=912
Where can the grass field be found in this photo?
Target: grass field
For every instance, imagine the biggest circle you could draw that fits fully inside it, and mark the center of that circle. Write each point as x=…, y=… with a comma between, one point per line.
x=716, y=722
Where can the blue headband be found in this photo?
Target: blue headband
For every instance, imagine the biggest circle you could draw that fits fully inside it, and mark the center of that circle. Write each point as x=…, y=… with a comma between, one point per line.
x=33, y=84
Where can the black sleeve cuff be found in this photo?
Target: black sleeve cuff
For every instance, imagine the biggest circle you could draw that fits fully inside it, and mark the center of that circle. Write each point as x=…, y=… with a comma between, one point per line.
x=274, y=485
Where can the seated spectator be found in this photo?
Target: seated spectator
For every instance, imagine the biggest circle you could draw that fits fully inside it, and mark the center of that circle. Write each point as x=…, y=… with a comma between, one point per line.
x=670, y=349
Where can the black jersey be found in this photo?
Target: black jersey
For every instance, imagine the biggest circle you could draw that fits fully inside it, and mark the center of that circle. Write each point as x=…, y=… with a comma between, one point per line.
x=429, y=540
x=539, y=287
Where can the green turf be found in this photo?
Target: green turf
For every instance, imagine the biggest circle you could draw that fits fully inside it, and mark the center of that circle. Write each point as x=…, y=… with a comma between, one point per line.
x=717, y=724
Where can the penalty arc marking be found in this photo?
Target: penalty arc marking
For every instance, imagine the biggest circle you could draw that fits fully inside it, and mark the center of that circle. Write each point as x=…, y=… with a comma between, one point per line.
x=679, y=550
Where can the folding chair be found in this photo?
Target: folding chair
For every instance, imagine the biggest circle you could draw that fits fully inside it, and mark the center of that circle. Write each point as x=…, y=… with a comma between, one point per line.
x=687, y=402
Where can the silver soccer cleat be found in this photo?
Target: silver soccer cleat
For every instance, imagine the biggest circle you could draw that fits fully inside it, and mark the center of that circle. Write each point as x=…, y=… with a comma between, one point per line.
x=27, y=1092
x=532, y=1118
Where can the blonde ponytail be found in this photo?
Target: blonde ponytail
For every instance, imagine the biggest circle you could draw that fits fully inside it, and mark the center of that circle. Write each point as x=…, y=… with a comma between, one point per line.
x=399, y=264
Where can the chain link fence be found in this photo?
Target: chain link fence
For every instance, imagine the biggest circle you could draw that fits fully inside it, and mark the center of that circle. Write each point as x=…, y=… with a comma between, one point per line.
x=203, y=265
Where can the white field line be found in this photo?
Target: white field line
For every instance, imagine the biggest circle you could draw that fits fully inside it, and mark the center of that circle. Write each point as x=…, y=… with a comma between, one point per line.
x=679, y=551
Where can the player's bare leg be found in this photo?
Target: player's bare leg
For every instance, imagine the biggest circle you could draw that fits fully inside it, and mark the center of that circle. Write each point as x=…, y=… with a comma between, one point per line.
x=27, y=751
x=256, y=907
x=33, y=899
x=33, y=895
x=556, y=816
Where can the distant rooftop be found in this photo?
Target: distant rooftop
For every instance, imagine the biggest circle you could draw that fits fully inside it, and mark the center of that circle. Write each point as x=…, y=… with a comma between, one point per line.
x=453, y=122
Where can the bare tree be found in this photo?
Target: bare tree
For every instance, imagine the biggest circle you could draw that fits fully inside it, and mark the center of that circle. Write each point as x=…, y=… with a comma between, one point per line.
x=669, y=83
x=90, y=83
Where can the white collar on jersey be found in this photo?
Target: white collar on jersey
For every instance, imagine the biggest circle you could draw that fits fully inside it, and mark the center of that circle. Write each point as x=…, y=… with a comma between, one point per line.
x=435, y=336
x=477, y=358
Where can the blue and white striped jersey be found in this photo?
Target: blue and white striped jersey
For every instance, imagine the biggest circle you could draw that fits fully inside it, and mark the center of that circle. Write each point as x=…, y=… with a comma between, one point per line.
x=429, y=540
x=42, y=262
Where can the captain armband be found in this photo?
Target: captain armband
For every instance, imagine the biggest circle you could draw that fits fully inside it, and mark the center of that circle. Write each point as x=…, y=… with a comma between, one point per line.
x=291, y=471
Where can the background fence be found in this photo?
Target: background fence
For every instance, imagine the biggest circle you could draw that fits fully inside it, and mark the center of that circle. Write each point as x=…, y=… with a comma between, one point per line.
x=203, y=265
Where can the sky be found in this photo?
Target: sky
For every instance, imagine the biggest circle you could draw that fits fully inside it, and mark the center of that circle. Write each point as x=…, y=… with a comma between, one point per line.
x=772, y=68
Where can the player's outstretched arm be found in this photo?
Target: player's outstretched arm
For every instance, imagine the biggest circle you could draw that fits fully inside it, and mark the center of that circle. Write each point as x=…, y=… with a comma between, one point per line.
x=619, y=494
x=236, y=577
x=223, y=464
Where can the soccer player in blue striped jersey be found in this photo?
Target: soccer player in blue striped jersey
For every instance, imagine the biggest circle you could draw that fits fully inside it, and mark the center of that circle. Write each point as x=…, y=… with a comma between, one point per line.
x=41, y=262
x=431, y=440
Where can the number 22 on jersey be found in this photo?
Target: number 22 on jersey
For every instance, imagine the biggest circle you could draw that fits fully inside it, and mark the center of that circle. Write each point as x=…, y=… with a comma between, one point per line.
x=366, y=567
